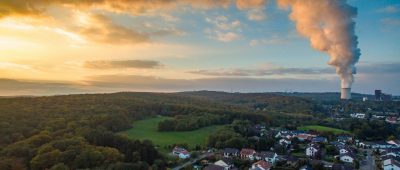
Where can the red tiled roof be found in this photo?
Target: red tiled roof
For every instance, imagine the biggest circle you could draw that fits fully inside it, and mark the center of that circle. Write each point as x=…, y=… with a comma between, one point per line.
x=247, y=151
x=263, y=164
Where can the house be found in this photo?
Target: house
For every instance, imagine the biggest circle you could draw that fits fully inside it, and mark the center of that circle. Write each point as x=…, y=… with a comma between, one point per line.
x=247, y=153
x=305, y=137
x=394, y=142
x=181, y=152
x=391, y=151
x=382, y=145
x=227, y=163
x=184, y=155
x=391, y=164
x=313, y=149
x=365, y=144
x=270, y=157
x=228, y=152
x=261, y=165
x=347, y=157
x=284, y=134
x=336, y=143
x=344, y=149
x=392, y=120
x=358, y=115
x=214, y=167
x=344, y=138
x=177, y=150
x=319, y=139
x=284, y=142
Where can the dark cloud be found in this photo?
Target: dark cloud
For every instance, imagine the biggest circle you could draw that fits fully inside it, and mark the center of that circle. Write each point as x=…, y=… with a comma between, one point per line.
x=103, y=64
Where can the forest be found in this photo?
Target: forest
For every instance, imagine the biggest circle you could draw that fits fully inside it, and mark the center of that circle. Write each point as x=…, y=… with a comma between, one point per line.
x=82, y=131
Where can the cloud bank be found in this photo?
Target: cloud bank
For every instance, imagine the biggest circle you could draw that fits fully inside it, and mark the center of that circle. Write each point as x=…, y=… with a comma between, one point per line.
x=140, y=64
x=372, y=76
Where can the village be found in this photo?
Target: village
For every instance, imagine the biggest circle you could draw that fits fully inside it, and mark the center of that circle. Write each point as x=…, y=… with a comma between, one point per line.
x=298, y=149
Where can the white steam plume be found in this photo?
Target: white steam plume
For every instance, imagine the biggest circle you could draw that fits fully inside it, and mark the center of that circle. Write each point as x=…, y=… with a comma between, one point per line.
x=329, y=26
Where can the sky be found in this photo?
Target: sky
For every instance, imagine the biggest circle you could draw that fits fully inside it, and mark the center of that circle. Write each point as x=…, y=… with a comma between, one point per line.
x=101, y=46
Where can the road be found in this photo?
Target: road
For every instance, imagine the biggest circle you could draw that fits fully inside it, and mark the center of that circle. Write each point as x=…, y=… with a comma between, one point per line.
x=192, y=161
x=369, y=162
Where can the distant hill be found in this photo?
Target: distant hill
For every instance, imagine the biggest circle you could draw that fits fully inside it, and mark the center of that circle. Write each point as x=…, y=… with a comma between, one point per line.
x=325, y=96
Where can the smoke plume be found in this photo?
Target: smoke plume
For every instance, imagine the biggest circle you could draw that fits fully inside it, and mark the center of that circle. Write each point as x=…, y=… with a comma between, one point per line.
x=329, y=26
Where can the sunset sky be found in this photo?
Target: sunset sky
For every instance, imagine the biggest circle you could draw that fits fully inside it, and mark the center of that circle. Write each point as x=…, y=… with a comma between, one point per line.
x=73, y=46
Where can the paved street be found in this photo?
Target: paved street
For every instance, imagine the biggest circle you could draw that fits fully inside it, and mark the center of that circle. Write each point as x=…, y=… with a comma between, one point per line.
x=369, y=162
x=192, y=161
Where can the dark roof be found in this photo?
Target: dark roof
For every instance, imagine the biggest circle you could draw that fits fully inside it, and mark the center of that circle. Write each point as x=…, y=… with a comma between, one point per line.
x=213, y=167
x=291, y=158
x=348, y=154
x=231, y=150
x=314, y=145
x=228, y=161
x=341, y=167
x=335, y=143
x=386, y=157
x=269, y=154
x=395, y=150
x=319, y=139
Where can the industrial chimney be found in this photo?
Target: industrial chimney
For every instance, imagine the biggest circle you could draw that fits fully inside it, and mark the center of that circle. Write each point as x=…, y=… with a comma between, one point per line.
x=345, y=94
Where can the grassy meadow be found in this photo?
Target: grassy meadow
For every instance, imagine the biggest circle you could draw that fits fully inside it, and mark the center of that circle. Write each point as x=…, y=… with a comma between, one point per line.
x=147, y=129
x=323, y=129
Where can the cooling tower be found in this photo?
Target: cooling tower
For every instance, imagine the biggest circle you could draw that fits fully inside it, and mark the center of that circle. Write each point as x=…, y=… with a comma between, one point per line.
x=345, y=94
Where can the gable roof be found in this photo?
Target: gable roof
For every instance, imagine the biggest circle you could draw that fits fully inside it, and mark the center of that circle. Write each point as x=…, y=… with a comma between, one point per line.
x=246, y=151
x=231, y=150
x=228, y=161
x=262, y=164
x=350, y=154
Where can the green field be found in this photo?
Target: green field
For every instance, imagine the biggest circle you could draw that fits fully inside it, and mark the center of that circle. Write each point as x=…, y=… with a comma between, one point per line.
x=323, y=129
x=147, y=129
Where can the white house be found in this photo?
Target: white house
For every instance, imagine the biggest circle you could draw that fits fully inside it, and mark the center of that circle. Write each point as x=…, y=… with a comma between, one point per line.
x=312, y=150
x=347, y=157
x=344, y=149
x=270, y=157
x=391, y=164
x=284, y=141
x=226, y=163
x=184, y=155
x=181, y=152
x=358, y=115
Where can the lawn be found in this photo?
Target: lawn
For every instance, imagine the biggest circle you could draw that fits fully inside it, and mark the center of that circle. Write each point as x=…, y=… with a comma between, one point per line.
x=147, y=129
x=323, y=129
